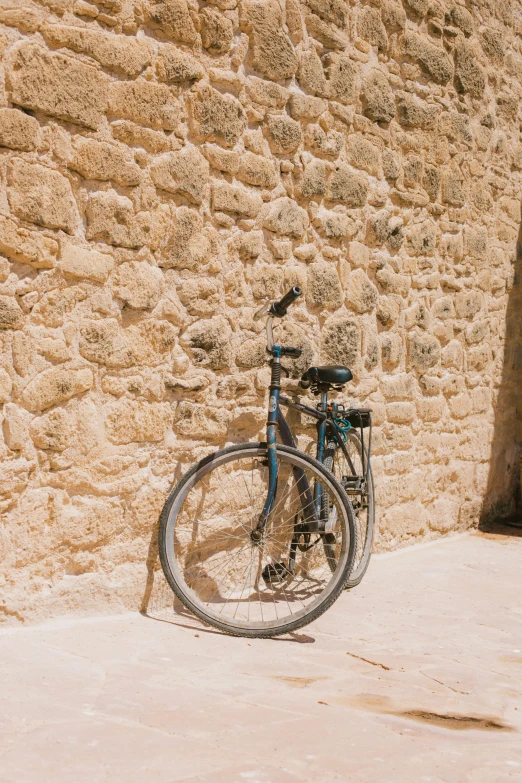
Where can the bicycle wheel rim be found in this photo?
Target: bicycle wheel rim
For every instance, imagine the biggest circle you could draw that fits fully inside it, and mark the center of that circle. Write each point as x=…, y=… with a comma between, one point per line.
x=364, y=518
x=174, y=568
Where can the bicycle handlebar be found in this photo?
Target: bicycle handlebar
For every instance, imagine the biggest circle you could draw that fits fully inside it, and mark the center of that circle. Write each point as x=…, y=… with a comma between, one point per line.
x=279, y=308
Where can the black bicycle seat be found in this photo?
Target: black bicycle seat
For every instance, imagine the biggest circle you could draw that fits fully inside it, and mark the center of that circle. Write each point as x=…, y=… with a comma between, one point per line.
x=334, y=375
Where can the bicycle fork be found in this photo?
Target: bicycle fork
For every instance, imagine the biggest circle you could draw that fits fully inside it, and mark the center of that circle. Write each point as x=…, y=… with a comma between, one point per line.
x=275, y=419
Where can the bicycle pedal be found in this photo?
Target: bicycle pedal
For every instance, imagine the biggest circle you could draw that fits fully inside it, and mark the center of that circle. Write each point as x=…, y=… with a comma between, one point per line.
x=274, y=573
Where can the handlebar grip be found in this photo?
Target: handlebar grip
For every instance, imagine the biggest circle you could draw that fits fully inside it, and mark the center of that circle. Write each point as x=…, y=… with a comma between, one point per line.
x=279, y=308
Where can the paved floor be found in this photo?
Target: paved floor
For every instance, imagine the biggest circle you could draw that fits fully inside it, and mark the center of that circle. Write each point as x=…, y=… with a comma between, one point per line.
x=414, y=676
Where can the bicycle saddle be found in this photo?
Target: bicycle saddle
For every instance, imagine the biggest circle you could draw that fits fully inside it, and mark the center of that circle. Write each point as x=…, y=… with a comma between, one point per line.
x=333, y=375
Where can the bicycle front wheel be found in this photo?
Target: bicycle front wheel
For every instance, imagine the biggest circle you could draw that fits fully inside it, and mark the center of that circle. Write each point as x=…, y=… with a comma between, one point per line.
x=244, y=587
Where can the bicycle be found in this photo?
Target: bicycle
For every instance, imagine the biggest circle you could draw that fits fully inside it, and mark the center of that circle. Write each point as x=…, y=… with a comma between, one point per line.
x=259, y=539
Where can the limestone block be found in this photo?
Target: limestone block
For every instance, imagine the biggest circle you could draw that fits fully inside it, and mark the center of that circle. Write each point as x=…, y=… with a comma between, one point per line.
x=361, y=294
x=184, y=172
x=286, y=218
x=266, y=281
x=273, y=55
x=431, y=182
x=137, y=284
x=453, y=186
x=460, y=405
x=469, y=75
x=421, y=239
x=391, y=349
x=312, y=77
x=335, y=11
x=200, y=296
x=393, y=15
x=431, y=408
x=202, y=421
x=478, y=357
x=190, y=244
x=248, y=245
x=257, y=170
x=220, y=159
x=390, y=164
x=417, y=7
x=492, y=43
x=144, y=102
x=18, y=130
x=329, y=36
x=342, y=77
x=393, y=282
x=416, y=113
x=443, y=308
x=398, y=387
x=217, y=117
x=476, y=241
x=337, y=225
x=145, y=343
x=468, y=303
x=371, y=28
x=433, y=59
x=53, y=430
x=304, y=106
x=137, y=136
x=359, y=254
x=266, y=93
x=6, y=386
x=477, y=332
x=15, y=427
x=423, y=351
x=55, y=305
x=175, y=66
x=235, y=199
x=329, y=144
x=11, y=314
x=251, y=353
x=27, y=247
x=84, y=262
x=41, y=195
x=57, y=85
x=100, y=160
x=313, y=180
x=209, y=341
x=283, y=133
x=133, y=421
x=324, y=288
x=217, y=31
x=362, y=154
x=377, y=97
x=121, y=53
x=56, y=385
x=347, y=186
x=341, y=340
x=111, y=219
x=400, y=412
x=174, y=19
x=452, y=355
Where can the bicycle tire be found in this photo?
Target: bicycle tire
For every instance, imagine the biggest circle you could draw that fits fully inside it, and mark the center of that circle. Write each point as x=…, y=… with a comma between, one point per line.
x=176, y=578
x=364, y=537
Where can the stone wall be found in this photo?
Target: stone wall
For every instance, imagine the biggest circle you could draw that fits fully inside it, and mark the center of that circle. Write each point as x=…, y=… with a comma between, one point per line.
x=165, y=167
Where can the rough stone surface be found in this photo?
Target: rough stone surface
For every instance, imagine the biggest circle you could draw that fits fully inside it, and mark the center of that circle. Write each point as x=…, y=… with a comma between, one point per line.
x=57, y=85
x=166, y=166
x=40, y=195
x=17, y=130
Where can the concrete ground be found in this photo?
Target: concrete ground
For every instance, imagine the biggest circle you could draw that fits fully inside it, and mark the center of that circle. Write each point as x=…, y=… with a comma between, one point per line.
x=414, y=676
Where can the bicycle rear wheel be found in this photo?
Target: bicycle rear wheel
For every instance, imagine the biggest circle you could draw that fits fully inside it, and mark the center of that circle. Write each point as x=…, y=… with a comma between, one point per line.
x=363, y=505
x=227, y=579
